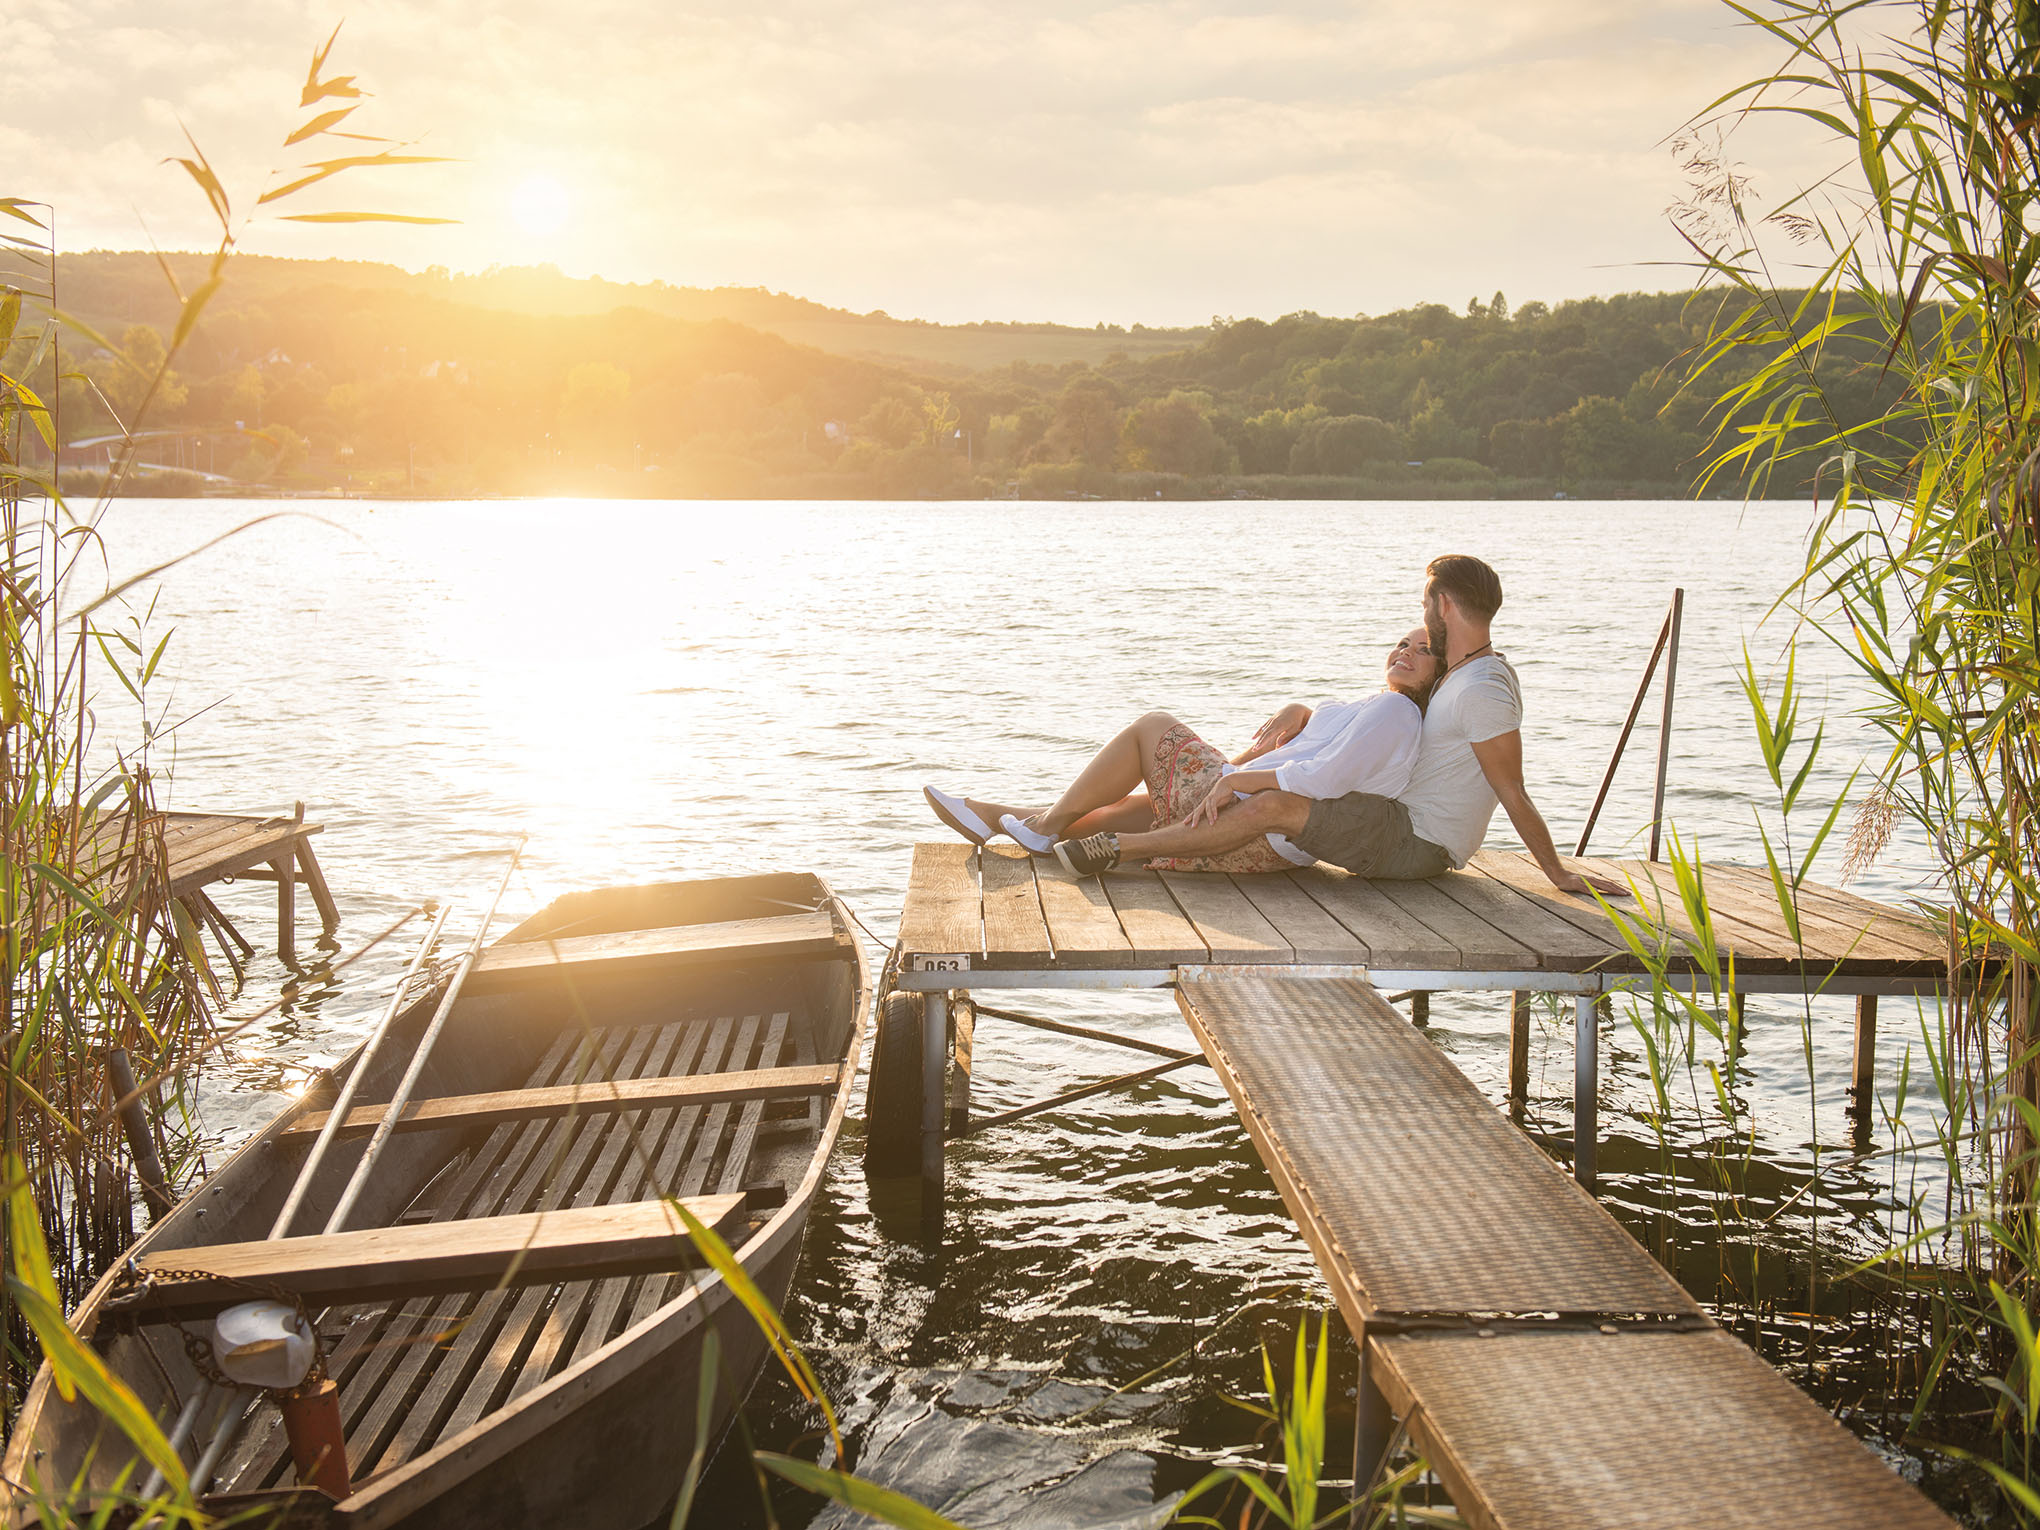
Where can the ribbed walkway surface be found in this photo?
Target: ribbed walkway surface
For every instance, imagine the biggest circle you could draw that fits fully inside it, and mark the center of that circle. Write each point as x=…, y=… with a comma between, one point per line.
x=1548, y=1367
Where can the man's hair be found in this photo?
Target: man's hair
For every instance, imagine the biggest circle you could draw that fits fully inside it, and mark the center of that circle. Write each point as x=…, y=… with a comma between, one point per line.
x=1474, y=587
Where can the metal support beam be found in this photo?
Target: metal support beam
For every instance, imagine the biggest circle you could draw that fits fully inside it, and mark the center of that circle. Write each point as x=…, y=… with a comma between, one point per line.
x=934, y=1060
x=1070, y=1096
x=1392, y=979
x=1373, y=1427
x=1586, y=1089
x=1664, y=738
x=1064, y=1028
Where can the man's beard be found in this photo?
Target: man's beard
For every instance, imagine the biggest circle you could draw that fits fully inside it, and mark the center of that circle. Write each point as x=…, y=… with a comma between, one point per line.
x=1435, y=635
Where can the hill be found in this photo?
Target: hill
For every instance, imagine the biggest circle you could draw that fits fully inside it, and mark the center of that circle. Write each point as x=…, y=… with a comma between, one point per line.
x=112, y=289
x=365, y=378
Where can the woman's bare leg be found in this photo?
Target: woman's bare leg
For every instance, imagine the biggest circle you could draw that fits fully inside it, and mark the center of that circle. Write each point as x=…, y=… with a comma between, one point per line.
x=1114, y=772
x=1129, y=815
x=1243, y=822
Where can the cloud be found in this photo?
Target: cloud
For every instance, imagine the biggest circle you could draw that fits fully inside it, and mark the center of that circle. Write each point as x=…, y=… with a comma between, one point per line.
x=1147, y=161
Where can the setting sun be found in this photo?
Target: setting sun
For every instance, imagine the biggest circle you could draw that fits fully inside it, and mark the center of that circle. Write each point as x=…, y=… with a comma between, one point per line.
x=539, y=204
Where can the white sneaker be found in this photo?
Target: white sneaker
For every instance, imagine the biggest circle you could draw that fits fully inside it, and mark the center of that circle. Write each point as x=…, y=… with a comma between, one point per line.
x=957, y=813
x=1032, y=841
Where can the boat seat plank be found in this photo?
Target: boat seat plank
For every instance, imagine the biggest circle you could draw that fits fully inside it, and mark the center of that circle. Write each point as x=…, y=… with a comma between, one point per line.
x=602, y=1098
x=672, y=1130
x=1577, y=1431
x=475, y=1376
x=781, y=937
x=378, y=1363
x=569, y=1147
x=1370, y=1130
x=433, y=1257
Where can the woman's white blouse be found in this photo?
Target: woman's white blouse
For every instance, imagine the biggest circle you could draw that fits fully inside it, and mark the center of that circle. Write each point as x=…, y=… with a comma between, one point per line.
x=1350, y=746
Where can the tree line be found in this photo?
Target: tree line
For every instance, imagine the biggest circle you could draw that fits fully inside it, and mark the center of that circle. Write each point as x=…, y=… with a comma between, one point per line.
x=378, y=386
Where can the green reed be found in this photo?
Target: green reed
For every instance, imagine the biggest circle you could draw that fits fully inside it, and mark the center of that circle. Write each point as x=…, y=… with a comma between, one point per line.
x=1923, y=569
x=103, y=973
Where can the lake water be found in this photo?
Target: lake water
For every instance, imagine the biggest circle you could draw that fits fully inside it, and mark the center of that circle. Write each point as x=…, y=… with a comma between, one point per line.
x=693, y=689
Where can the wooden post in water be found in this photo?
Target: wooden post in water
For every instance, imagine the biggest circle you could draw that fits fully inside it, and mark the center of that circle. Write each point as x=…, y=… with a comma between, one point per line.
x=1863, y=1076
x=134, y=1123
x=964, y=1014
x=286, y=905
x=1586, y=1089
x=1420, y=1009
x=1519, y=1046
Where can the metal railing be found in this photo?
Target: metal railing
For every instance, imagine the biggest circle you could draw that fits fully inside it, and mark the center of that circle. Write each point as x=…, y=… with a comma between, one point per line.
x=1667, y=649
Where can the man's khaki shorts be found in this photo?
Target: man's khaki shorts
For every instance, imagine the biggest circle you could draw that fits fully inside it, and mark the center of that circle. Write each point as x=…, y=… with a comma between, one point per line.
x=1371, y=837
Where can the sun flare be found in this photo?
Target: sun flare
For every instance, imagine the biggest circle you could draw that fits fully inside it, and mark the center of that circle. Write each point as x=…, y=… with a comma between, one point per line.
x=539, y=204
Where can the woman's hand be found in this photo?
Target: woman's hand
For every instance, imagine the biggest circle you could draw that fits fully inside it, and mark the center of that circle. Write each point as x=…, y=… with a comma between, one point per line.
x=1277, y=731
x=1207, y=811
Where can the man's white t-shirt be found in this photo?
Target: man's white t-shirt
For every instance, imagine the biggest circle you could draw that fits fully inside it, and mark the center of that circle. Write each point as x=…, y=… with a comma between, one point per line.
x=1449, y=799
x=1347, y=746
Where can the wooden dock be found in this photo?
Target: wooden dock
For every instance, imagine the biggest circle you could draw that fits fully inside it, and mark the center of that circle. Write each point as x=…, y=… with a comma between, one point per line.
x=999, y=918
x=204, y=849
x=1550, y=1370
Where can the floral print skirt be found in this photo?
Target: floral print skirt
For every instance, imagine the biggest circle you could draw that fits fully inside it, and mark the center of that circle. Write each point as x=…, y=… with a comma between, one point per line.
x=1180, y=774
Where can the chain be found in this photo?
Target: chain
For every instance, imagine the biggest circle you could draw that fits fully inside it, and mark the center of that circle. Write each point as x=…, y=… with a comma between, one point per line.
x=132, y=1287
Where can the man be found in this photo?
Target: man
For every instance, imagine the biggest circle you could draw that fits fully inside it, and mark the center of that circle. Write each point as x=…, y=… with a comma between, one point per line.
x=1470, y=761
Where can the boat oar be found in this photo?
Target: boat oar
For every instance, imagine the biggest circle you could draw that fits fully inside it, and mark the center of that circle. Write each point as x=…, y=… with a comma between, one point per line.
x=395, y=1109
x=346, y=1096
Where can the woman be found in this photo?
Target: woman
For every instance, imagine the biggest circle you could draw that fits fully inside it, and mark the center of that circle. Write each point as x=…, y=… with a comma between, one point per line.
x=1355, y=746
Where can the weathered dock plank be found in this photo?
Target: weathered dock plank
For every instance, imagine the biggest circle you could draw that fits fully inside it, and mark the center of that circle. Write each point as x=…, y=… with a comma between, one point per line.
x=1393, y=936
x=1231, y=927
x=943, y=920
x=1016, y=935
x=1312, y=933
x=1155, y=927
x=1081, y=923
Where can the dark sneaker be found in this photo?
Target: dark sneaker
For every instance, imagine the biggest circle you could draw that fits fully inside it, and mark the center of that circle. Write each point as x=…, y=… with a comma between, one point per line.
x=1090, y=855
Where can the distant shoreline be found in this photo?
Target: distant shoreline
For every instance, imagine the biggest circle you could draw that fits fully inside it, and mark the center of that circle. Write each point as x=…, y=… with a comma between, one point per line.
x=1110, y=488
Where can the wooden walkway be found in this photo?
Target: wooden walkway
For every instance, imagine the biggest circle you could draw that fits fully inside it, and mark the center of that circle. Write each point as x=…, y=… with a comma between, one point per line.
x=1548, y=1368
x=208, y=848
x=1551, y=1371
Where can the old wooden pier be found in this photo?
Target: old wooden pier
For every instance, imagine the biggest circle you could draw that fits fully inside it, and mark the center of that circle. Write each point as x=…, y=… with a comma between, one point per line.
x=204, y=849
x=1551, y=1371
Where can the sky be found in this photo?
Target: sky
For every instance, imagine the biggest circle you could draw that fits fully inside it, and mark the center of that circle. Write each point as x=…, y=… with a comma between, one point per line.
x=951, y=160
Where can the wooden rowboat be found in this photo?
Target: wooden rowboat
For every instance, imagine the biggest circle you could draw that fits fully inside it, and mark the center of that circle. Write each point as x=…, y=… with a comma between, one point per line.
x=512, y=1312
